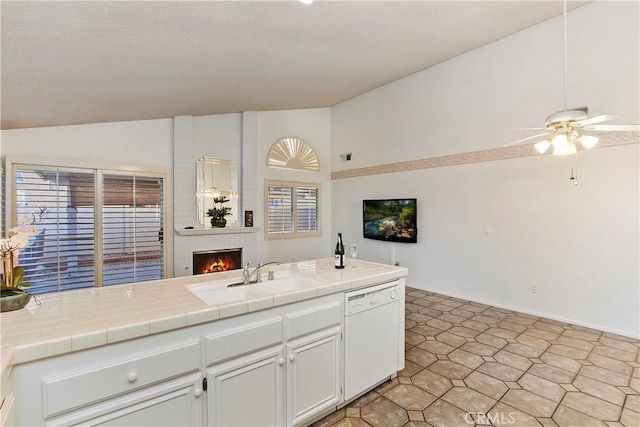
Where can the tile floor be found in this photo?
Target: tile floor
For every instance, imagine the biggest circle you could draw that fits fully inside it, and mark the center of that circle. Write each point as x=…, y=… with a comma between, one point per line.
x=472, y=364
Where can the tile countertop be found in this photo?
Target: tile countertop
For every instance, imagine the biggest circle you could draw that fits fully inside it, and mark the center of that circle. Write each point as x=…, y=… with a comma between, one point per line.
x=79, y=319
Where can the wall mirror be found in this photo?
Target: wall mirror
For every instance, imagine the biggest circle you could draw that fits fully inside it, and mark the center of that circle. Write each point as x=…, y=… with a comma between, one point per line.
x=215, y=178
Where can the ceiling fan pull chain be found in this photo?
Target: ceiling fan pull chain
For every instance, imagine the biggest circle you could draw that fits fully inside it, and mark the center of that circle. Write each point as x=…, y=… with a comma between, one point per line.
x=564, y=25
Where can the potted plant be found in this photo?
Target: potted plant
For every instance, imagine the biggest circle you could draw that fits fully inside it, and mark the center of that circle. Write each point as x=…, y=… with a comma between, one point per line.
x=218, y=214
x=12, y=294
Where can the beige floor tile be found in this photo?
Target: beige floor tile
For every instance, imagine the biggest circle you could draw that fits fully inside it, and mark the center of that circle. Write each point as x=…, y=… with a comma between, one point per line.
x=451, y=339
x=575, y=342
x=463, y=313
x=500, y=371
x=582, y=335
x=616, y=353
x=410, y=369
x=443, y=414
x=545, y=325
x=561, y=362
x=599, y=389
x=633, y=403
x=505, y=415
x=410, y=397
x=417, y=317
x=510, y=325
x=605, y=375
x=510, y=359
x=432, y=382
x=351, y=422
x=384, y=413
x=363, y=400
x=621, y=343
x=491, y=340
x=567, y=351
x=501, y=333
x=461, y=331
x=413, y=338
x=420, y=357
x=630, y=418
x=542, y=387
x=353, y=412
x=592, y=406
x=440, y=324
x=415, y=416
x=436, y=347
x=487, y=319
x=530, y=403
x=331, y=419
x=524, y=350
x=474, y=324
x=541, y=334
x=547, y=422
x=451, y=318
x=531, y=341
x=479, y=349
x=465, y=358
x=469, y=400
x=552, y=373
x=567, y=417
x=486, y=385
x=449, y=369
x=426, y=331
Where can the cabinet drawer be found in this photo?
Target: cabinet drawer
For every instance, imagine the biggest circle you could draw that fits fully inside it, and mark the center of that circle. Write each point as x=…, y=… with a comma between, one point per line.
x=241, y=341
x=314, y=319
x=100, y=382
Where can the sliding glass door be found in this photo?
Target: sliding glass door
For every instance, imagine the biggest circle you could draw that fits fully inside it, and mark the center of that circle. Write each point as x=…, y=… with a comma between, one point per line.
x=94, y=227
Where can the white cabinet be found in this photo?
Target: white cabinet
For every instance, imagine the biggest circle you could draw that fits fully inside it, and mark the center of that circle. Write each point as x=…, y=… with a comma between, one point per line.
x=313, y=375
x=142, y=382
x=278, y=371
x=245, y=367
x=314, y=360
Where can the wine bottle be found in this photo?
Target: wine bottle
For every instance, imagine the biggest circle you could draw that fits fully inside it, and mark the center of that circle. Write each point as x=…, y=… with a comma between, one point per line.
x=339, y=253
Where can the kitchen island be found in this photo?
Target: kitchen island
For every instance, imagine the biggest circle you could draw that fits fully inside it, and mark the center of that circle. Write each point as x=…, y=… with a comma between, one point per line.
x=183, y=346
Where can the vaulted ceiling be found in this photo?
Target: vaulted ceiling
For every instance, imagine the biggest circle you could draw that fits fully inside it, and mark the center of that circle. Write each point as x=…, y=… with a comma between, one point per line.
x=85, y=62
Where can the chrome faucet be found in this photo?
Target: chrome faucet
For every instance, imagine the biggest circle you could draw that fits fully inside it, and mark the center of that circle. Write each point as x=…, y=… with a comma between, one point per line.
x=246, y=275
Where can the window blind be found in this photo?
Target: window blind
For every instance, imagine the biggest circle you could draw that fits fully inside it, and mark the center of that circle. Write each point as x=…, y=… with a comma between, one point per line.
x=64, y=253
x=132, y=218
x=61, y=255
x=292, y=210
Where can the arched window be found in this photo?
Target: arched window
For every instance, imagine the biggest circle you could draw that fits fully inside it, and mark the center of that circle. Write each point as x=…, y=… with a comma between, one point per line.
x=292, y=153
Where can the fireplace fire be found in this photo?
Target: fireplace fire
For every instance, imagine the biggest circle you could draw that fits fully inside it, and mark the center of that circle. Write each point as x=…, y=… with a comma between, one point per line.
x=205, y=262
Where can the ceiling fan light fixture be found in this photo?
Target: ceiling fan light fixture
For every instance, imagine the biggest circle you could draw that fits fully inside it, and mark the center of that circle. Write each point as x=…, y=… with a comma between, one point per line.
x=542, y=146
x=560, y=140
x=588, y=141
x=564, y=150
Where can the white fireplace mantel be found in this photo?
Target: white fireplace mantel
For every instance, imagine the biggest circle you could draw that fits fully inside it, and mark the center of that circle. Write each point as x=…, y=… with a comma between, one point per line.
x=225, y=230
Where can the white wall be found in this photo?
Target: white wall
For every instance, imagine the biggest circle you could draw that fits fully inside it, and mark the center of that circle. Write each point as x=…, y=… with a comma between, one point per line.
x=578, y=244
x=313, y=126
x=145, y=143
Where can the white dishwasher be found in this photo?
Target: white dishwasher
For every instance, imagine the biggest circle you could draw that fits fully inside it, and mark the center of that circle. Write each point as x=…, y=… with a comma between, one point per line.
x=371, y=336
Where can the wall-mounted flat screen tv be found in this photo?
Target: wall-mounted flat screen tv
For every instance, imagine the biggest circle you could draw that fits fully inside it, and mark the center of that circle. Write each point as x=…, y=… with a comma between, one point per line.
x=392, y=220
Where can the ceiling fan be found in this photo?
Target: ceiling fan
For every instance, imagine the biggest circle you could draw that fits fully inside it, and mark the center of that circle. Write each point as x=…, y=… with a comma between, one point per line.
x=563, y=129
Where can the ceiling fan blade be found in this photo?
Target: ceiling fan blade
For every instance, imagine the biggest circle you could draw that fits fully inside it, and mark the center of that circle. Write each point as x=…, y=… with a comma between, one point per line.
x=596, y=119
x=520, y=141
x=613, y=128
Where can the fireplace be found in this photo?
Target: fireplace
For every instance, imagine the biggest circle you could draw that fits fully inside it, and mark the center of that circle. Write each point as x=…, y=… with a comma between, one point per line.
x=205, y=262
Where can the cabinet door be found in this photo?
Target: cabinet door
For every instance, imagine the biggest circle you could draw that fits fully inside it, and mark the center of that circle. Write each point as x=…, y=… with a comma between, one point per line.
x=313, y=375
x=247, y=391
x=172, y=403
